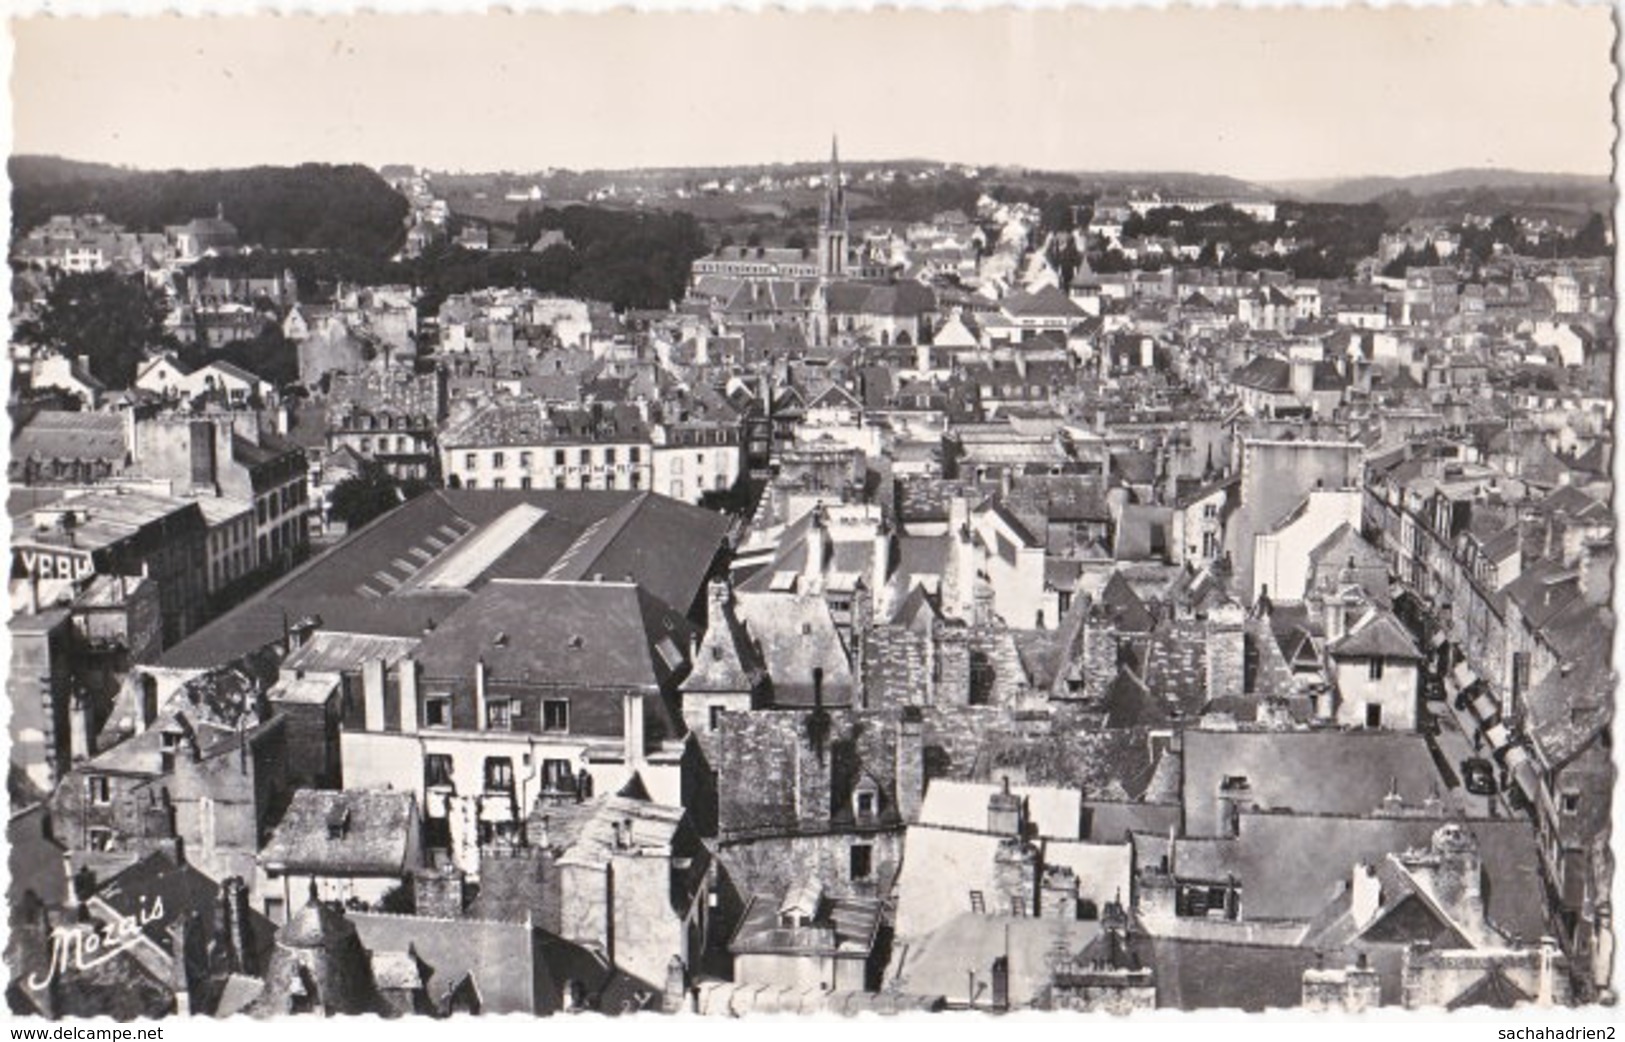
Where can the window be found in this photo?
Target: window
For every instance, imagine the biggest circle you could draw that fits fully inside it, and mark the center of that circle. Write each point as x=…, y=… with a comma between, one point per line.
x=499, y=715
x=499, y=483
x=524, y=461
x=1570, y=803
x=471, y=461
x=609, y=456
x=498, y=774
x=101, y=840
x=636, y=480
x=716, y=717
x=437, y=770
x=634, y=454
x=100, y=791
x=498, y=460
x=366, y=444
x=584, y=457
x=556, y=714
x=558, y=482
x=557, y=776
x=862, y=861
x=524, y=482
x=437, y=711
x=677, y=490
x=866, y=805
x=1376, y=669
x=1373, y=714
x=558, y=457
x=471, y=483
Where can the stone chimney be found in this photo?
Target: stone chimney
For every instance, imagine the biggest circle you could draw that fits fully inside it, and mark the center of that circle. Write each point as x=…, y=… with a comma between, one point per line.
x=633, y=728
x=1351, y=989
x=407, y=670
x=437, y=893
x=234, y=926
x=812, y=570
x=675, y=998
x=1303, y=377
x=1365, y=895
x=1454, y=871
x=910, y=774
x=717, y=597
x=1058, y=893
x=1004, y=817
x=1015, y=879
x=372, y=693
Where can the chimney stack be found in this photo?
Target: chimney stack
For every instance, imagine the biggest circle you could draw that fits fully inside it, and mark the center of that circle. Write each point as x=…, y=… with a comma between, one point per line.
x=1004, y=811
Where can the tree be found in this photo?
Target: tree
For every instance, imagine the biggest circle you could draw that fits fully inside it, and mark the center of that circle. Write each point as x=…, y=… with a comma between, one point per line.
x=369, y=494
x=1592, y=240
x=110, y=319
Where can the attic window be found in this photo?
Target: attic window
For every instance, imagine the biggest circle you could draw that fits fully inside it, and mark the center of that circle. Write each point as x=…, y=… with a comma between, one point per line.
x=338, y=822
x=500, y=640
x=806, y=629
x=575, y=642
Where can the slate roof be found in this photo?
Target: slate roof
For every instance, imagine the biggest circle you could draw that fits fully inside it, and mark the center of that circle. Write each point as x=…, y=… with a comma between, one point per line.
x=1048, y=302
x=583, y=634
x=184, y=891
x=372, y=839
x=372, y=581
x=1308, y=772
x=841, y=926
x=71, y=435
x=942, y=865
x=1377, y=635
x=796, y=635
x=501, y=958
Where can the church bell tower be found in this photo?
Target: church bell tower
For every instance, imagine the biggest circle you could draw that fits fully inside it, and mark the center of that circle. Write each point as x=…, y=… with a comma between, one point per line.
x=833, y=238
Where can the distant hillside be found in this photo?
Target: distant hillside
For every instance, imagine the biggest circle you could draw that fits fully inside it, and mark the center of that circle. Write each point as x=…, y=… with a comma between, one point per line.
x=312, y=206
x=1449, y=182
x=1171, y=182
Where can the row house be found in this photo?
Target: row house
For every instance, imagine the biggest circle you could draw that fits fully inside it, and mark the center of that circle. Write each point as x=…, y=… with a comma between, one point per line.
x=533, y=691
x=227, y=454
x=524, y=445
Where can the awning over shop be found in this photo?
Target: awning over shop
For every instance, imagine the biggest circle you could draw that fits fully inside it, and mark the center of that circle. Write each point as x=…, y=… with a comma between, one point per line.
x=1460, y=679
x=1524, y=773
x=1484, y=707
x=1498, y=737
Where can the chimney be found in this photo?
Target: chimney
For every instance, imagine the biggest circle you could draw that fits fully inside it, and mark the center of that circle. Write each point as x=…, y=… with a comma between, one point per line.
x=408, y=672
x=234, y=925
x=717, y=595
x=437, y=892
x=479, y=692
x=1001, y=982
x=179, y=938
x=910, y=773
x=1365, y=895
x=676, y=999
x=880, y=568
x=633, y=729
x=372, y=690
x=817, y=548
x=1004, y=811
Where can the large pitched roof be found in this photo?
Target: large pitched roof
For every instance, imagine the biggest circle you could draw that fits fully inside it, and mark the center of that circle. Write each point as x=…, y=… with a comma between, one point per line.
x=1377, y=635
x=343, y=833
x=416, y=565
x=589, y=634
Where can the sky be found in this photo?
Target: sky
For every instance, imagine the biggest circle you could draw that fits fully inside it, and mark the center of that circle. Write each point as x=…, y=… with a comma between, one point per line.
x=1266, y=95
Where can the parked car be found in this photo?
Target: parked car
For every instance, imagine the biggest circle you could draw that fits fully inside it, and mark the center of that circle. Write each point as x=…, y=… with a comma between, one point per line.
x=1478, y=775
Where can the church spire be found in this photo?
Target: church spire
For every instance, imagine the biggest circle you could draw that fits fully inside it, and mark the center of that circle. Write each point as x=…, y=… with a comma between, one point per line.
x=833, y=224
